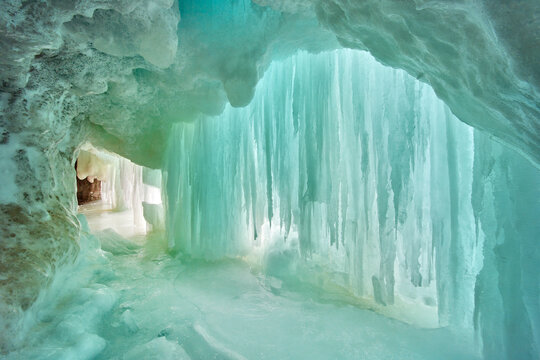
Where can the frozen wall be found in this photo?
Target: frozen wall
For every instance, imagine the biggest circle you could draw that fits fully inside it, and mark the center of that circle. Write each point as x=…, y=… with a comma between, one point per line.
x=342, y=171
x=38, y=228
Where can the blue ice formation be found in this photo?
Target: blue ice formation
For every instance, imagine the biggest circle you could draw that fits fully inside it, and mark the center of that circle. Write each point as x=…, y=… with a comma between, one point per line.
x=344, y=172
x=322, y=167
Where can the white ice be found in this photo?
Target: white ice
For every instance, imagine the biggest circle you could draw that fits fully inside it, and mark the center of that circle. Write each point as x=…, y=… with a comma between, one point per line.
x=144, y=304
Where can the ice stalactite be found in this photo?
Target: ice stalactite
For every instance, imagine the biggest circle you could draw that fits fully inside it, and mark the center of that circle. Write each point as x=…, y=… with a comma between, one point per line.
x=342, y=171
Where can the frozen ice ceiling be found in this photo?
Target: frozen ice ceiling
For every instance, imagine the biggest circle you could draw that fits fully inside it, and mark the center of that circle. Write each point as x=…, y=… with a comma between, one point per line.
x=126, y=70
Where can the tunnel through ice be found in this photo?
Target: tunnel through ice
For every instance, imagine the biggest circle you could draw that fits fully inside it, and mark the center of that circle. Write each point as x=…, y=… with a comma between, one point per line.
x=127, y=195
x=339, y=179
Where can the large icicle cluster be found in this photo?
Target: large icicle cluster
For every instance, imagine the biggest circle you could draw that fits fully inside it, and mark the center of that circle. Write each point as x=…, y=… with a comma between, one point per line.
x=480, y=57
x=342, y=171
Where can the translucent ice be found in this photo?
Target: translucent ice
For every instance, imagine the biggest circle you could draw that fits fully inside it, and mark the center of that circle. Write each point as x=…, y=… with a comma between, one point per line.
x=426, y=220
x=342, y=172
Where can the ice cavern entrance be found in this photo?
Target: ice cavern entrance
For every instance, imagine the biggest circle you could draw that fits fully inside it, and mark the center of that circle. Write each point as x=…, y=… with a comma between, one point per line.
x=255, y=185
x=129, y=200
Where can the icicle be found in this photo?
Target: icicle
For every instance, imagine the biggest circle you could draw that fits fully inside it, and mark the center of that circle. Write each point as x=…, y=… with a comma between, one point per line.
x=340, y=172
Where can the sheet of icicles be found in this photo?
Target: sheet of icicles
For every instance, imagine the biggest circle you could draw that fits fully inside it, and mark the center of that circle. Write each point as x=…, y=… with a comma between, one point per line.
x=344, y=172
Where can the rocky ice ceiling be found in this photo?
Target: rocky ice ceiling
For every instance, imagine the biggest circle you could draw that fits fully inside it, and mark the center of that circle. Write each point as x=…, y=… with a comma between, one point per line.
x=340, y=179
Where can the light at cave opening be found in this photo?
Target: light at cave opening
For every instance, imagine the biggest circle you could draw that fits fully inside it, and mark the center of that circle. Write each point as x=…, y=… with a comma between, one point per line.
x=130, y=191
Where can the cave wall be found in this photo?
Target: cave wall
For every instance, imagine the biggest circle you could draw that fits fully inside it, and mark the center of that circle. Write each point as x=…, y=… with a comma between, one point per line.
x=38, y=228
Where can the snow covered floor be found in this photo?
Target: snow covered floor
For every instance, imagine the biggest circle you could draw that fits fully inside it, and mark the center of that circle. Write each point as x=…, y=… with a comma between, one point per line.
x=143, y=304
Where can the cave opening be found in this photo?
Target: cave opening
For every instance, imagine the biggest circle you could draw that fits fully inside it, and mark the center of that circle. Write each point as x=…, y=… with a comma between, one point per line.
x=88, y=191
x=118, y=195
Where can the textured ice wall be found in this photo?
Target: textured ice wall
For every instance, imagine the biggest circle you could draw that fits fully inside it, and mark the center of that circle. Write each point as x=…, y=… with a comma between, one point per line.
x=128, y=69
x=38, y=228
x=342, y=171
x=46, y=72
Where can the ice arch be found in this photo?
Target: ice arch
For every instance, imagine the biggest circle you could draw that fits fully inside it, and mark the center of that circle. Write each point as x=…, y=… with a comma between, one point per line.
x=120, y=73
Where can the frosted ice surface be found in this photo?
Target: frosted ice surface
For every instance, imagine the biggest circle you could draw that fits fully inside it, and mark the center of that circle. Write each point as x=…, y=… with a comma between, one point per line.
x=144, y=306
x=8, y=167
x=114, y=243
x=157, y=349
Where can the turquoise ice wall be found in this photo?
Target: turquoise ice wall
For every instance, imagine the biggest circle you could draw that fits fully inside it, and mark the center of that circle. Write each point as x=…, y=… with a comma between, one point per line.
x=344, y=172
x=120, y=73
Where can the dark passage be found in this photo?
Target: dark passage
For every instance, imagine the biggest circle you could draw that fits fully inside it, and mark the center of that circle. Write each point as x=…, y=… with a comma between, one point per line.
x=88, y=191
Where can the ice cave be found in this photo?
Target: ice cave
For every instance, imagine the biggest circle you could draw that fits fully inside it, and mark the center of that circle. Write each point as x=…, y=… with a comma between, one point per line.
x=270, y=179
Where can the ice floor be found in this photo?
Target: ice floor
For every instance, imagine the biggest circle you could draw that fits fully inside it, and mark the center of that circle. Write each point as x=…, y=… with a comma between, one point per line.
x=101, y=216
x=137, y=302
